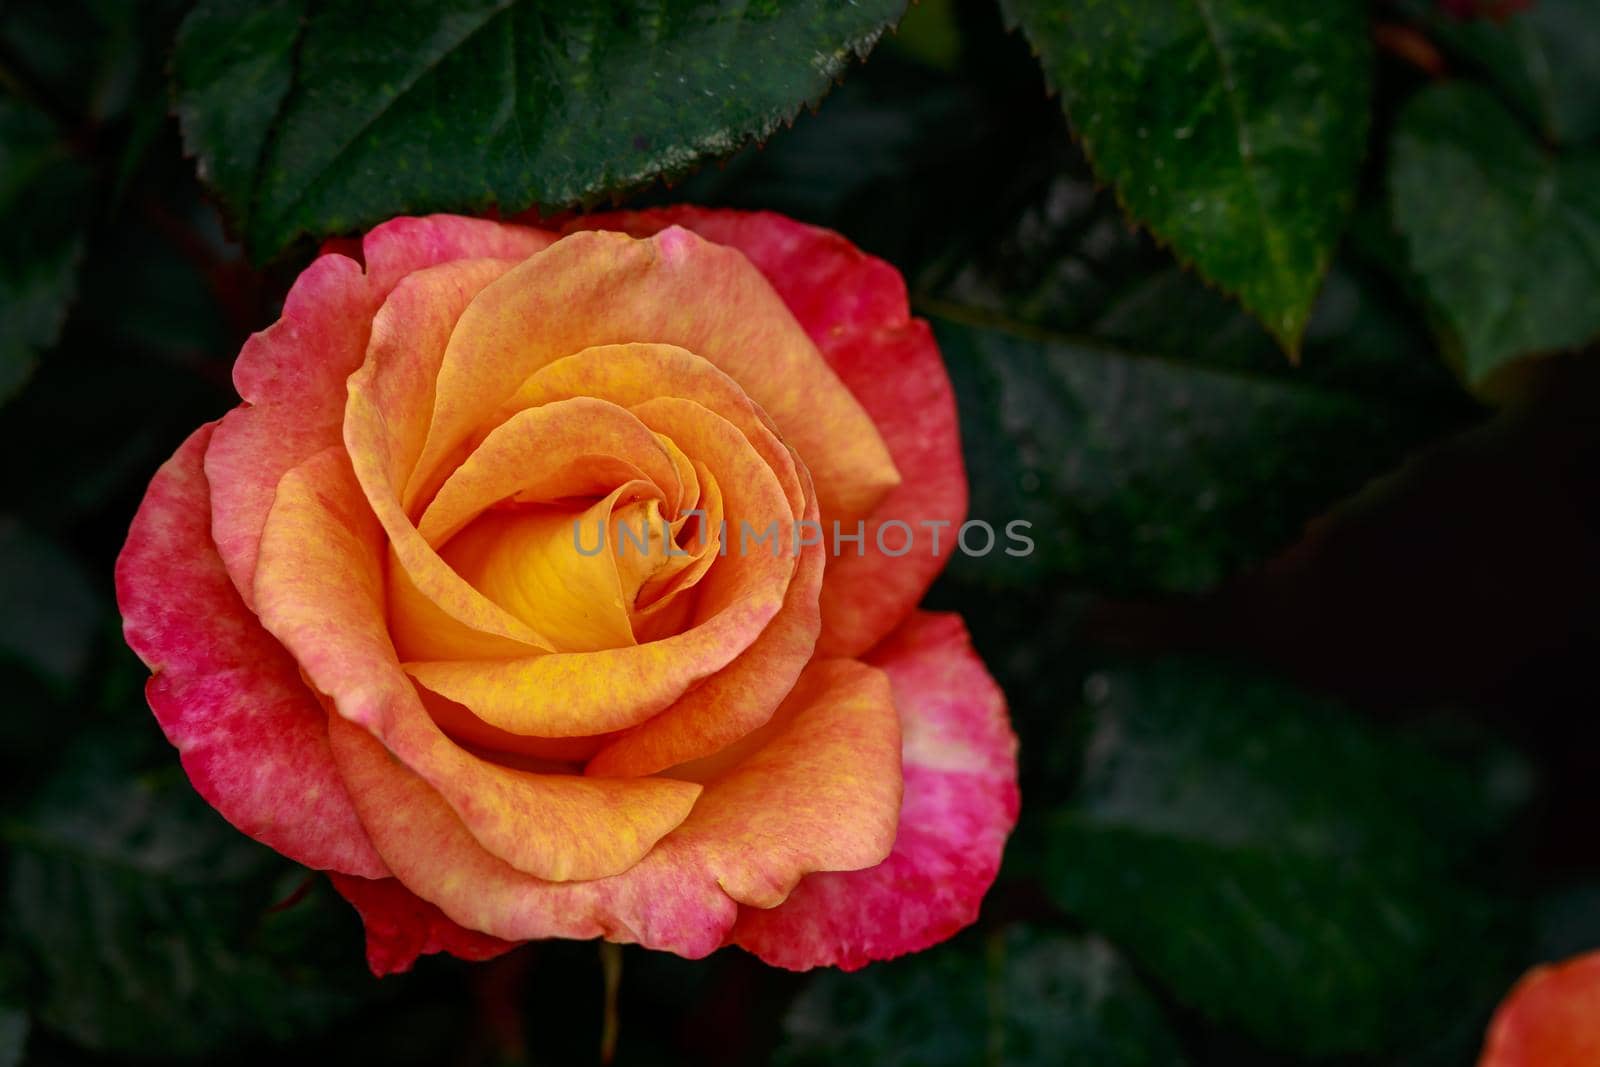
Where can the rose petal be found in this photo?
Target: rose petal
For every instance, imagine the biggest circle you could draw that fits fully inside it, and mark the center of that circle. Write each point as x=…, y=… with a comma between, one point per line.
x=413, y=561
x=390, y=403
x=539, y=455
x=1551, y=1018
x=319, y=591
x=600, y=691
x=253, y=738
x=854, y=307
x=960, y=804
x=291, y=375
x=688, y=480
x=752, y=494
x=899, y=377
x=402, y=926
x=530, y=563
x=631, y=374
x=576, y=447
x=737, y=699
x=576, y=694
x=821, y=795
x=409, y=334
x=604, y=288
x=563, y=754
x=404, y=245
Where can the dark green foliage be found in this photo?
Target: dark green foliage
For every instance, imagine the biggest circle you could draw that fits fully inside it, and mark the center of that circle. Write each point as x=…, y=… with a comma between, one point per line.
x=43, y=202
x=1233, y=129
x=1025, y=997
x=1504, y=235
x=1144, y=472
x=1280, y=865
x=1545, y=57
x=328, y=119
x=144, y=919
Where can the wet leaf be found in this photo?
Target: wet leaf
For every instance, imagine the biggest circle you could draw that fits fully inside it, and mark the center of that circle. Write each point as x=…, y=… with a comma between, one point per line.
x=1233, y=129
x=1280, y=866
x=327, y=119
x=1504, y=235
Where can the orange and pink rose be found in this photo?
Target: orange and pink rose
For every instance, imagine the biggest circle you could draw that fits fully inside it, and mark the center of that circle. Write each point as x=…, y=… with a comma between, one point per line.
x=1551, y=1018
x=380, y=649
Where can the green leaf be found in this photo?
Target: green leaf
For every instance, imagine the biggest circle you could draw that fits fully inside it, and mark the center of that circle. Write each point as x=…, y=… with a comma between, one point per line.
x=1233, y=129
x=1280, y=866
x=1504, y=236
x=144, y=919
x=328, y=119
x=1545, y=58
x=1142, y=472
x=1063, y=259
x=1029, y=997
x=232, y=70
x=1189, y=448
x=44, y=203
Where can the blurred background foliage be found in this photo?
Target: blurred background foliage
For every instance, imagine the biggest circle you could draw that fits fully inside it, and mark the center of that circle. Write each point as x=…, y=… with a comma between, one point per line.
x=1274, y=324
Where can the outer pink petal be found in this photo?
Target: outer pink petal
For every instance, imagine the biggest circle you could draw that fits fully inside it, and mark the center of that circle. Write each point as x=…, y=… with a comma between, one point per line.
x=407, y=244
x=854, y=308
x=899, y=377
x=960, y=804
x=402, y=926
x=253, y=738
x=291, y=377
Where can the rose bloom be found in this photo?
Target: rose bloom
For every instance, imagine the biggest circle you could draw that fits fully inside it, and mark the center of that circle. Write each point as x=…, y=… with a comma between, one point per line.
x=378, y=648
x=1551, y=1018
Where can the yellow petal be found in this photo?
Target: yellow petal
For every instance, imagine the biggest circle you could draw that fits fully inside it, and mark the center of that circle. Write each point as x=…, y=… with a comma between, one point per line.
x=575, y=447
x=615, y=688
x=529, y=562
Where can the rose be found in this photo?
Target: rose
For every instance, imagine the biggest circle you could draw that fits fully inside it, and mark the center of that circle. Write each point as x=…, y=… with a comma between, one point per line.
x=1551, y=1018
x=382, y=648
